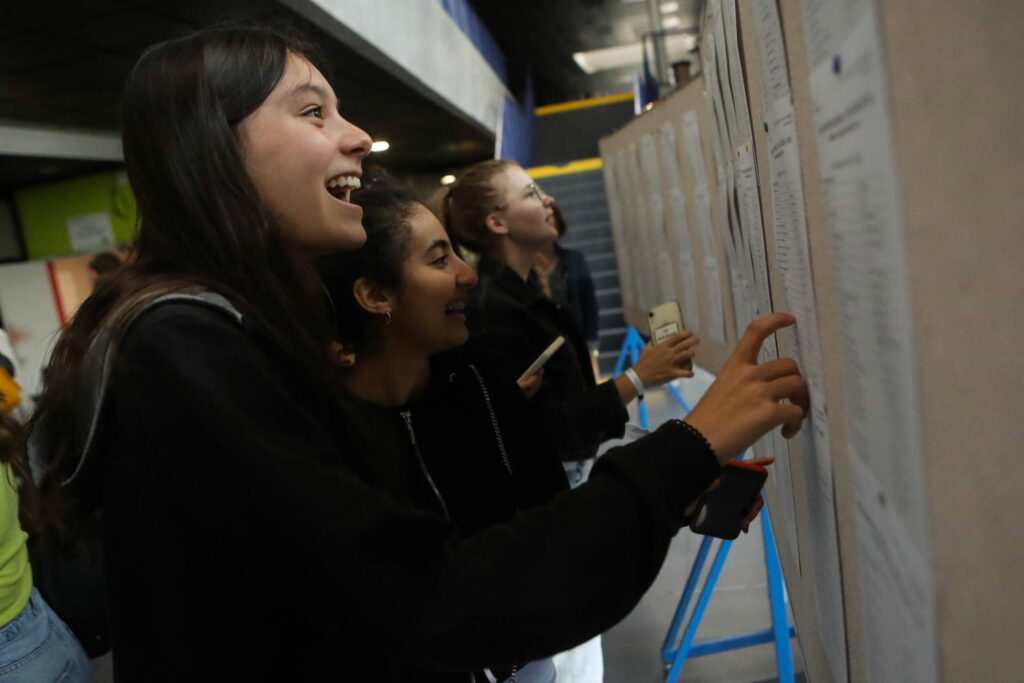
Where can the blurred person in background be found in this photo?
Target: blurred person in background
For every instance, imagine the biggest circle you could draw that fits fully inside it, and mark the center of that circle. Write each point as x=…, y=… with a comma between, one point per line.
x=498, y=211
x=564, y=277
x=35, y=645
x=10, y=390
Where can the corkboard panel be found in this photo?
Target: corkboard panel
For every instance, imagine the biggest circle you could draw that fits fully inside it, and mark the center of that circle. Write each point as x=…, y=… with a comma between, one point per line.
x=710, y=355
x=959, y=159
x=956, y=116
x=801, y=583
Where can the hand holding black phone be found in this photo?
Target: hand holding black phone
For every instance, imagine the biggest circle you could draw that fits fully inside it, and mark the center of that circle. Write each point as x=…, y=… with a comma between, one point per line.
x=723, y=508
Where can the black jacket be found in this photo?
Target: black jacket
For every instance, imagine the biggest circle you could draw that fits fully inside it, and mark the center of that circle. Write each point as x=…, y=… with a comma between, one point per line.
x=511, y=322
x=571, y=286
x=470, y=447
x=245, y=542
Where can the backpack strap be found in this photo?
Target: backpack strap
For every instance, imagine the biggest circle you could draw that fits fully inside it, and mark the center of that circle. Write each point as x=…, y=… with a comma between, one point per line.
x=97, y=366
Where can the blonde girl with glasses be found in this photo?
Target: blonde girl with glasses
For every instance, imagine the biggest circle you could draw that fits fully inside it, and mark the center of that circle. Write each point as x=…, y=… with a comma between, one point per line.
x=498, y=211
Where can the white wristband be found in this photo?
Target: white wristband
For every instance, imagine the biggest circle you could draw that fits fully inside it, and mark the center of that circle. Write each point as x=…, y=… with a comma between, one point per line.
x=635, y=379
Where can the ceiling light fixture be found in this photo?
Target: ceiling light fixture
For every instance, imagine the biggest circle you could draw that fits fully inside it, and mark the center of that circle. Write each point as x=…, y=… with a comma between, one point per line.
x=380, y=146
x=669, y=7
x=678, y=46
x=671, y=22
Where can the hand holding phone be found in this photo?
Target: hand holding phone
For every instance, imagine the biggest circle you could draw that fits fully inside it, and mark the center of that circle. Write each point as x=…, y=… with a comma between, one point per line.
x=531, y=385
x=722, y=511
x=543, y=358
x=665, y=321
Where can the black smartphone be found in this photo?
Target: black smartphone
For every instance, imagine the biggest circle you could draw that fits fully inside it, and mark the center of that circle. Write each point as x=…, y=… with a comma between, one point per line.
x=724, y=507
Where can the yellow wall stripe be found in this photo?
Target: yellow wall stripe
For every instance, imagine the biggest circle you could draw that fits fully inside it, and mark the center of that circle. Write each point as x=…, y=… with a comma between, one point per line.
x=582, y=104
x=572, y=167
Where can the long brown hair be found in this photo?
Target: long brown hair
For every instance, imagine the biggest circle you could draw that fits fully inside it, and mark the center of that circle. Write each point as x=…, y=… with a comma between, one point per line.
x=470, y=200
x=202, y=222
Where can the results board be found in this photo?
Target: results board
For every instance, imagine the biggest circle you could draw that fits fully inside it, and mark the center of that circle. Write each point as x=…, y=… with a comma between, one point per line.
x=841, y=160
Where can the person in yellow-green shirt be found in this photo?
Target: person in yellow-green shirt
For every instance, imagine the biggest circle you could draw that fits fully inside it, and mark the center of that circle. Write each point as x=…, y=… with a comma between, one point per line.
x=35, y=645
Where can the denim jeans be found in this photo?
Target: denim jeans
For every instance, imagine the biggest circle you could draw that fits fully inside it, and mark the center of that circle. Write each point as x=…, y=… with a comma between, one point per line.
x=37, y=647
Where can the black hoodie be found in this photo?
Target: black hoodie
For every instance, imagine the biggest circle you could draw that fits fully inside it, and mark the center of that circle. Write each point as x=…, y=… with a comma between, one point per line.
x=244, y=540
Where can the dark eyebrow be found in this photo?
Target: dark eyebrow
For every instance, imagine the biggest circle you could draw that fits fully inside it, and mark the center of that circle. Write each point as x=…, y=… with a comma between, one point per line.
x=317, y=90
x=437, y=244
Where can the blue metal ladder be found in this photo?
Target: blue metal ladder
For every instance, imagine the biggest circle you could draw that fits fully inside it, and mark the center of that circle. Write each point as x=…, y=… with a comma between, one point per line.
x=673, y=656
x=780, y=631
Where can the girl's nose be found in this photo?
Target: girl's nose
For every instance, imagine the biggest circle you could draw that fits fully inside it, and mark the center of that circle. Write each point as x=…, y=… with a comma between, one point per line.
x=466, y=277
x=354, y=140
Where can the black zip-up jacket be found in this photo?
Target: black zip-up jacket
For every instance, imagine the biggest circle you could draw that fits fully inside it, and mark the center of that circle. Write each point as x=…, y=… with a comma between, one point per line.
x=244, y=542
x=470, y=447
x=446, y=450
x=510, y=323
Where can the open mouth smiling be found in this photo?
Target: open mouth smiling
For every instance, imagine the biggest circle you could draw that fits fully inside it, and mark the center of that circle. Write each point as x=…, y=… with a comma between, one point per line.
x=341, y=186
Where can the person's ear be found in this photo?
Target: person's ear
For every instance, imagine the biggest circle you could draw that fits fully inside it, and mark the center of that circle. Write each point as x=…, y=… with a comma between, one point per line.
x=372, y=297
x=496, y=224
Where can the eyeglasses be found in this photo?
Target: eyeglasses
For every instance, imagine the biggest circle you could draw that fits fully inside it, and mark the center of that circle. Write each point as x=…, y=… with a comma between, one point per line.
x=531, y=190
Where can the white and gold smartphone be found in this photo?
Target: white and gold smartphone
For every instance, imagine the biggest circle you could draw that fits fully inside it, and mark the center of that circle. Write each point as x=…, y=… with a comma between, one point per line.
x=666, y=320
x=543, y=358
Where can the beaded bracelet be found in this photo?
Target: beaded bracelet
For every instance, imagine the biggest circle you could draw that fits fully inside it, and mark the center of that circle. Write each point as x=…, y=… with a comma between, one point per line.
x=696, y=432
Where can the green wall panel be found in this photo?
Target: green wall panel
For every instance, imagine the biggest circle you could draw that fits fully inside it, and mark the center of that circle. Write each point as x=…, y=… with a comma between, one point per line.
x=44, y=210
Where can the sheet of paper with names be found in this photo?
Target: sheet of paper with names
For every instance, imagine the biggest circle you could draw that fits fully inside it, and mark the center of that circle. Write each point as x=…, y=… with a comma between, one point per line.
x=678, y=226
x=694, y=151
x=740, y=203
x=720, y=184
x=748, y=200
x=793, y=261
x=637, y=220
x=724, y=133
x=623, y=257
x=848, y=91
x=657, y=244
x=631, y=233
